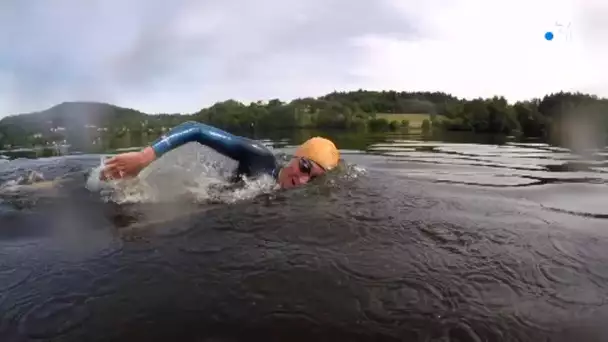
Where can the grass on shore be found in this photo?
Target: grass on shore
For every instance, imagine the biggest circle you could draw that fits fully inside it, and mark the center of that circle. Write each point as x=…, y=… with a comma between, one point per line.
x=414, y=119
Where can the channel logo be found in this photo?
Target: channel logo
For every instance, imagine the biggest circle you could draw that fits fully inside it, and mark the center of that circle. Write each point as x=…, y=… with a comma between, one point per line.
x=559, y=32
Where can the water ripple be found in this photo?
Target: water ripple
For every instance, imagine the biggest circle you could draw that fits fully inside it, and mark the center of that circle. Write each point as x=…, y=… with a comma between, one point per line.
x=397, y=253
x=54, y=317
x=11, y=277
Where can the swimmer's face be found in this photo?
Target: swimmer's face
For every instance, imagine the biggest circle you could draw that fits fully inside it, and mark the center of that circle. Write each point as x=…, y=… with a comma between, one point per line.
x=299, y=171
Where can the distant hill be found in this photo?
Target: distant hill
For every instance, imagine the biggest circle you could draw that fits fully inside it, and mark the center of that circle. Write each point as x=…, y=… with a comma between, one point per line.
x=96, y=125
x=73, y=115
x=73, y=121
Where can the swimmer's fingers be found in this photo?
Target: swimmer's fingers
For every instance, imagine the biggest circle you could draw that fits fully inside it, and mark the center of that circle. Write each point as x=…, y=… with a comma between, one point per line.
x=111, y=166
x=115, y=162
x=123, y=165
x=105, y=174
x=111, y=161
x=111, y=171
x=120, y=160
x=118, y=172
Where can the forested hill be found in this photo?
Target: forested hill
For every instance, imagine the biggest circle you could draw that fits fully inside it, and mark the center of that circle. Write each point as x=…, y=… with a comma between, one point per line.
x=76, y=122
x=72, y=115
x=83, y=122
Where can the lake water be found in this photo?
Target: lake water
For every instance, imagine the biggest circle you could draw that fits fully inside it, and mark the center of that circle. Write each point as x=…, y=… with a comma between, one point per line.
x=449, y=238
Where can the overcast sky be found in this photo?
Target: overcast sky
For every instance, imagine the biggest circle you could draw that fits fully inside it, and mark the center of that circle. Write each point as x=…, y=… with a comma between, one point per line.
x=182, y=55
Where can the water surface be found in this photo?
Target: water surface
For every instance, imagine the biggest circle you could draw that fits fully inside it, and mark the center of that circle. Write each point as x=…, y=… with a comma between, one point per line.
x=410, y=240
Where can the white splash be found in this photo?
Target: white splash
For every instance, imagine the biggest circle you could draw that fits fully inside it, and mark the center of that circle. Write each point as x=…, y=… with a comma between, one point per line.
x=30, y=179
x=94, y=183
x=182, y=173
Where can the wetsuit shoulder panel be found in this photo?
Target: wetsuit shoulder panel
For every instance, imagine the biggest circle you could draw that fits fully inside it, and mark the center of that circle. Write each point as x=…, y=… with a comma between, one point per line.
x=253, y=157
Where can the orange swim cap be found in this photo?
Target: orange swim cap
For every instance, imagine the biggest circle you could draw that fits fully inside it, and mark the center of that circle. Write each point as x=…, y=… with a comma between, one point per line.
x=320, y=150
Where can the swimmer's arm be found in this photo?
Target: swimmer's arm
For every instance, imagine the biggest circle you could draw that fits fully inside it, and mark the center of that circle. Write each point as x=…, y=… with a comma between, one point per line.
x=246, y=152
x=232, y=146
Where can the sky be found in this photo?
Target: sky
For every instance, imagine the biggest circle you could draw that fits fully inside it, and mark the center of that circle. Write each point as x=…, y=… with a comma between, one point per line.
x=174, y=56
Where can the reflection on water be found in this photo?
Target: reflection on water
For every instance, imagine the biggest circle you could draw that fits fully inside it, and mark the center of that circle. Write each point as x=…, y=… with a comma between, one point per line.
x=414, y=238
x=578, y=184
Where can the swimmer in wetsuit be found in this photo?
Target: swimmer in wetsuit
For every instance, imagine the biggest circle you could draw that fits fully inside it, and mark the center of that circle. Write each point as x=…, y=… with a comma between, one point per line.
x=313, y=158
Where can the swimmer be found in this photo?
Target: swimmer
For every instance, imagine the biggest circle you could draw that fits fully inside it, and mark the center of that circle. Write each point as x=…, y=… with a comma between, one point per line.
x=312, y=159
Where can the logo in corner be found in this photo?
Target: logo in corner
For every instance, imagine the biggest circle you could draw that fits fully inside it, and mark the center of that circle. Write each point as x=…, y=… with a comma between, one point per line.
x=560, y=31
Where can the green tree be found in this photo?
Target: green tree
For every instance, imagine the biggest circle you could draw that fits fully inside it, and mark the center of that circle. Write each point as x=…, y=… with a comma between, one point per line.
x=426, y=125
x=552, y=117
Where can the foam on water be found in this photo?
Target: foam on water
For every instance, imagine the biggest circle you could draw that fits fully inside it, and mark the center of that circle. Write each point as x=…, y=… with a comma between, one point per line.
x=404, y=247
x=30, y=178
x=94, y=183
x=194, y=174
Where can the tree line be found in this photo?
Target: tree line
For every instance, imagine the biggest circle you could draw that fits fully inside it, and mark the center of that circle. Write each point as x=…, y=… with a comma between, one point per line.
x=83, y=123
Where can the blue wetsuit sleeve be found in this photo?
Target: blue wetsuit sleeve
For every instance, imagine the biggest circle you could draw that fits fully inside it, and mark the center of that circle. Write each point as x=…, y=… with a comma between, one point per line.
x=252, y=156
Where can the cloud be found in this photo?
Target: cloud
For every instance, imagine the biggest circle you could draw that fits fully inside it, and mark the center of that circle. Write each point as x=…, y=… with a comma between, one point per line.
x=182, y=55
x=485, y=48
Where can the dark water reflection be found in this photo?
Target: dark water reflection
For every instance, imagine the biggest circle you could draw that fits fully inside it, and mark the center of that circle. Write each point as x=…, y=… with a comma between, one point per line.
x=416, y=240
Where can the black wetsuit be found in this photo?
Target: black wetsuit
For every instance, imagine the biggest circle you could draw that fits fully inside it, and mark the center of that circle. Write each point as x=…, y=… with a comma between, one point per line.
x=254, y=159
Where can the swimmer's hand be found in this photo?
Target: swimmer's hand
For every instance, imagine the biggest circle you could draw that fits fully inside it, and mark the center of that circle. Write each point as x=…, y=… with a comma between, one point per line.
x=128, y=164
